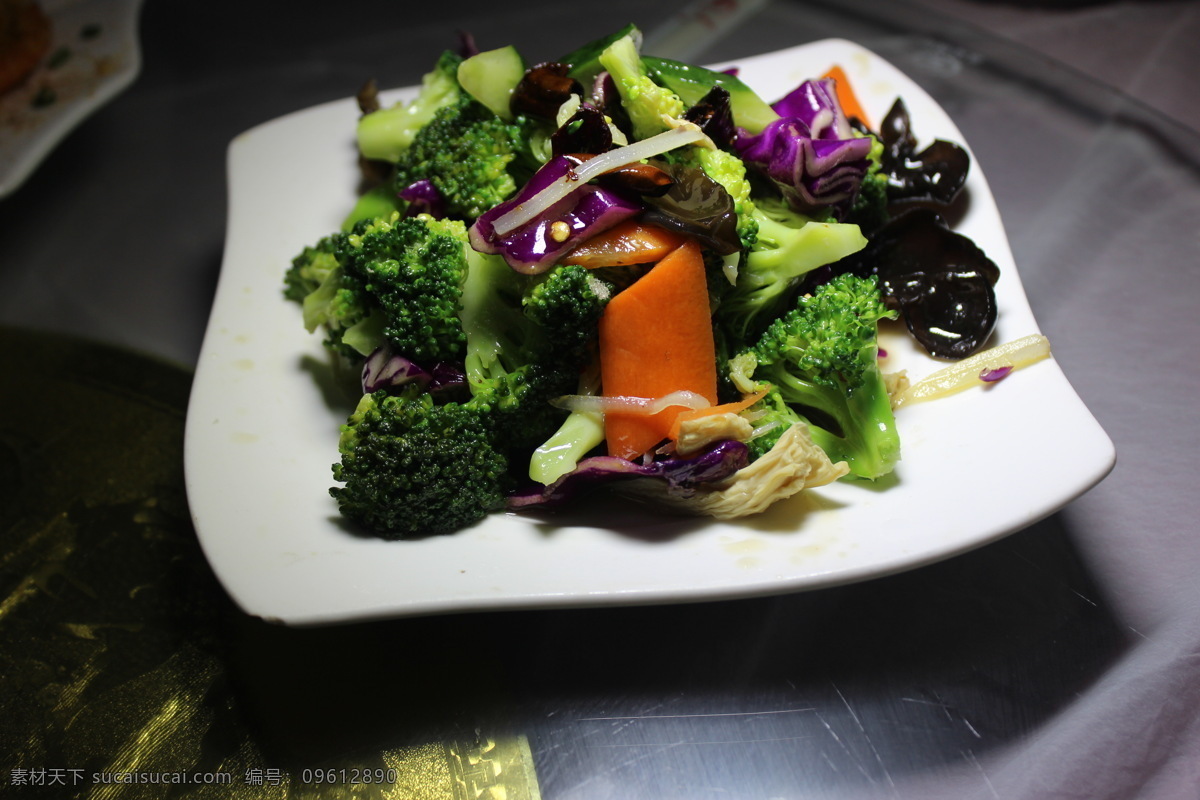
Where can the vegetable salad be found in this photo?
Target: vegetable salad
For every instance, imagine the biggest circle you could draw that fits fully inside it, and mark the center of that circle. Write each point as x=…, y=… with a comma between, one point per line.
x=619, y=270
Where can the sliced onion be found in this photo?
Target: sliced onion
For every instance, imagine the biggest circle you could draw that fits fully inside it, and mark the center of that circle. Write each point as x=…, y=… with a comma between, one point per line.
x=764, y=429
x=977, y=369
x=660, y=143
x=625, y=404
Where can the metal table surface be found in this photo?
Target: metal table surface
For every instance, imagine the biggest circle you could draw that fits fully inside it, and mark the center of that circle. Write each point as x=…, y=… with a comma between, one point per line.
x=1060, y=662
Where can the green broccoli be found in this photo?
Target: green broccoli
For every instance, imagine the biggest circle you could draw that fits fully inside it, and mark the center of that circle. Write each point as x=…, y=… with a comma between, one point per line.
x=644, y=101
x=392, y=279
x=579, y=434
x=328, y=300
x=385, y=134
x=528, y=338
x=411, y=269
x=498, y=334
x=648, y=104
x=821, y=361
x=310, y=269
x=472, y=157
x=772, y=416
x=411, y=467
x=788, y=245
x=378, y=201
x=566, y=304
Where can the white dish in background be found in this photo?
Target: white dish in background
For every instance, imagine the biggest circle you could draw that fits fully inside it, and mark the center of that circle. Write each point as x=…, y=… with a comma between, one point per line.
x=100, y=65
x=261, y=436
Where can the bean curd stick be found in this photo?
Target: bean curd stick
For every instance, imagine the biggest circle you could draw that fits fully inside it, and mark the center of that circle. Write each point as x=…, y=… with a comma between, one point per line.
x=982, y=368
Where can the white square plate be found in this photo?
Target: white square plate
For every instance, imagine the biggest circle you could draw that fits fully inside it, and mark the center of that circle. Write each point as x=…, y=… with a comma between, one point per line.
x=262, y=436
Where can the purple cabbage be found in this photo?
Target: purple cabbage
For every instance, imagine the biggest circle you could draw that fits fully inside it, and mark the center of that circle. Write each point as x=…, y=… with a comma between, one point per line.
x=537, y=245
x=994, y=375
x=815, y=103
x=683, y=476
x=383, y=369
x=423, y=197
x=447, y=381
x=810, y=153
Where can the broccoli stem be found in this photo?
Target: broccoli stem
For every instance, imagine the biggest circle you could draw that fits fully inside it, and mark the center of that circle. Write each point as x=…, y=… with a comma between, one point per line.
x=580, y=433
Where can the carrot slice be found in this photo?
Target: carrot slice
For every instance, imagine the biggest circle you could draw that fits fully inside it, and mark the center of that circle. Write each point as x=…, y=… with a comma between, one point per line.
x=656, y=337
x=629, y=242
x=845, y=94
x=737, y=406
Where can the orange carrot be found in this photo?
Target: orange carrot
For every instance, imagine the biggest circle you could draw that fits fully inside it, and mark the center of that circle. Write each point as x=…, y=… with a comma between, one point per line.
x=656, y=338
x=629, y=242
x=845, y=94
x=687, y=414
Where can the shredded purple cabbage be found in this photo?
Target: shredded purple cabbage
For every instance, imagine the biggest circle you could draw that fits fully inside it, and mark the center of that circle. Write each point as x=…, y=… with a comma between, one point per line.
x=683, y=476
x=447, y=380
x=993, y=375
x=537, y=245
x=423, y=197
x=810, y=153
x=383, y=369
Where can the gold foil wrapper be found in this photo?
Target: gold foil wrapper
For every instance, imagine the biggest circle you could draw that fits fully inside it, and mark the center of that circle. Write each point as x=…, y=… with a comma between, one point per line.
x=125, y=670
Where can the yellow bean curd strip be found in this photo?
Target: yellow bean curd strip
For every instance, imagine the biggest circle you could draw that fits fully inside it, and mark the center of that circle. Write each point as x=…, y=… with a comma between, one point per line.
x=976, y=370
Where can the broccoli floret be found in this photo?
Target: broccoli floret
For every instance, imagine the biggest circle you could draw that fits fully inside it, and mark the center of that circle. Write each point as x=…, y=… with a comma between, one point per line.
x=643, y=100
x=392, y=279
x=473, y=158
x=317, y=281
x=310, y=269
x=500, y=338
x=788, y=245
x=772, y=416
x=409, y=273
x=379, y=201
x=821, y=359
x=504, y=353
x=385, y=134
x=566, y=305
x=412, y=467
x=870, y=207
x=527, y=339
x=513, y=320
